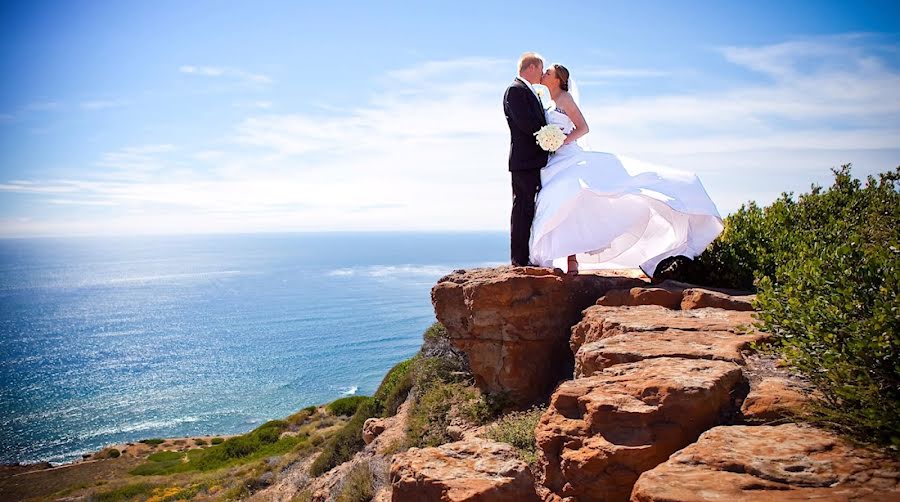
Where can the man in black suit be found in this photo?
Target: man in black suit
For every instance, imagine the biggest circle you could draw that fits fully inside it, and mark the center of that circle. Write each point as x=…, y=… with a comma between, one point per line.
x=525, y=116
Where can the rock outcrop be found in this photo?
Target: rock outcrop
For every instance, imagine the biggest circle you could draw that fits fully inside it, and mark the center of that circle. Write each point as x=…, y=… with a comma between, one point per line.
x=602, y=431
x=513, y=324
x=763, y=463
x=614, y=335
x=473, y=470
x=773, y=399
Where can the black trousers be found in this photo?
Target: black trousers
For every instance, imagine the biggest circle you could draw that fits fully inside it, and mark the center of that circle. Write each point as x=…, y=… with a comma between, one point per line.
x=525, y=187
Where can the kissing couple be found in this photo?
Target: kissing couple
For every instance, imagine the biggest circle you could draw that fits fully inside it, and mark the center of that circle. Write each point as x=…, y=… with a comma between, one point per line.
x=576, y=208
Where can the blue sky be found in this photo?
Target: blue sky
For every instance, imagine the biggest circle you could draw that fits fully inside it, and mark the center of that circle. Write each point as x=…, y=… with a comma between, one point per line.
x=172, y=117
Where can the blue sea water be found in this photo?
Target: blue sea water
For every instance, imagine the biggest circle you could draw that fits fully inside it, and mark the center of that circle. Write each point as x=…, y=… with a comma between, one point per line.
x=108, y=340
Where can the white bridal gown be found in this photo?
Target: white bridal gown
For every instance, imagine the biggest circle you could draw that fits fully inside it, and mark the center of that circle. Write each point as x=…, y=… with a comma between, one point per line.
x=616, y=212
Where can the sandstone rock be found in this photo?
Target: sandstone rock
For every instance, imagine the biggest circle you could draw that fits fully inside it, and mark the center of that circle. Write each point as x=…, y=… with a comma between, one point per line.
x=697, y=298
x=602, y=322
x=669, y=298
x=372, y=428
x=513, y=323
x=601, y=432
x=763, y=463
x=476, y=470
x=631, y=347
x=773, y=399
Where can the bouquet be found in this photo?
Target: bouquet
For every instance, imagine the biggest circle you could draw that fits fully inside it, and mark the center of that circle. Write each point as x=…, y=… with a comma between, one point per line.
x=550, y=137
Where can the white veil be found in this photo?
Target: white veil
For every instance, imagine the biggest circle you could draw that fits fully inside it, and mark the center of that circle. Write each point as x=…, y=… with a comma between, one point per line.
x=583, y=141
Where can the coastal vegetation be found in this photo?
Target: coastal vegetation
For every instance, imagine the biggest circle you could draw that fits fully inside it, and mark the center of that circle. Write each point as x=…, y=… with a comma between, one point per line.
x=826, y=266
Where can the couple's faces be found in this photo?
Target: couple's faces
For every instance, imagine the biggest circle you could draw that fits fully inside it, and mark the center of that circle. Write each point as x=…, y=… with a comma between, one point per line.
x=549, y=74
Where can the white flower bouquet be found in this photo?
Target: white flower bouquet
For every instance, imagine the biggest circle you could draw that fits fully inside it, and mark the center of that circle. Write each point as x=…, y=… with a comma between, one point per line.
x=550, y=137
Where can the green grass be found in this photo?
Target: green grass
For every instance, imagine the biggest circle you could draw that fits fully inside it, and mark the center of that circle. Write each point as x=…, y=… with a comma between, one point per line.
x=517, y=429
x=262, y=442
x=126, y=492
x=358, y=485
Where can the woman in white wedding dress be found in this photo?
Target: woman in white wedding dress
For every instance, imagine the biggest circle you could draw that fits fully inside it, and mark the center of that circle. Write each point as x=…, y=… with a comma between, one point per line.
x=609, y=211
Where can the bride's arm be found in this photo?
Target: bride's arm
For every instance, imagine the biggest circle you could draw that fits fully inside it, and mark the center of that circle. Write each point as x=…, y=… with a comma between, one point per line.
x=567, y=104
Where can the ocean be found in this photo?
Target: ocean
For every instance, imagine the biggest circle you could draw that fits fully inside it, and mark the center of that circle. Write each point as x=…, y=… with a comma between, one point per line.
x=108, y=340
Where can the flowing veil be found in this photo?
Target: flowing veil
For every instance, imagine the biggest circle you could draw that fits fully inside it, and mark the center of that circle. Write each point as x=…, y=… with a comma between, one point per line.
x=583, y=141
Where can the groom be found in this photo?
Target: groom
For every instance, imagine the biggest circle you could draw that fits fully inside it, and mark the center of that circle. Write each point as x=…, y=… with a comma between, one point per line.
x=524, y=115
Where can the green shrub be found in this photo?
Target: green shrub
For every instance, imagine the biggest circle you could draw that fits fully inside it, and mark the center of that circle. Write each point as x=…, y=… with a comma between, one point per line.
x=346, y=406
x=831, y=301
x=395, y=387
x=435, y=332
x=358, y=486
x=348, y=440
x=430, y=416
x=216, y=441
x=261, y=442
x=517, y=429
x=200, y=442
x=152, y=442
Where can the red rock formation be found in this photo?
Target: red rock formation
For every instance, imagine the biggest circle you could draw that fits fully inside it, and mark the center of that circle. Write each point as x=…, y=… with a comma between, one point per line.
x=601, y=432
x=513, y=324
x=602, y=322
x=764, y=463
x=773, y=399
x=697, y=298
x=474, y=471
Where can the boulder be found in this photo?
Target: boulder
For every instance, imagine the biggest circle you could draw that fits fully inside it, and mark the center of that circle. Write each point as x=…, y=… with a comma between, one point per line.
x=474, y=470
x=631, y=347
x=513, y=324
x=773, y=399
x=669, y=298
x=372, y=428
x=601, y=432
x=697, y=298
x=763, y=463
x=602, y=322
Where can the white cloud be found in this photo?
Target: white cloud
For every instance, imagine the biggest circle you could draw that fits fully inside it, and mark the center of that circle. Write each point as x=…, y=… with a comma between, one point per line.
x=429, y=152
x=233, y=73
x=102, y=104
x=42, y=106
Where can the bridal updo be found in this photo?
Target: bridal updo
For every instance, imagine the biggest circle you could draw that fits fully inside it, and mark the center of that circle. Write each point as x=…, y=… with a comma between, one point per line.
x=562, y=73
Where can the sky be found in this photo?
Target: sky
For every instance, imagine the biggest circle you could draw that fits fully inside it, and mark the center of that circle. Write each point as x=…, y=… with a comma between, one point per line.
x=207, y=116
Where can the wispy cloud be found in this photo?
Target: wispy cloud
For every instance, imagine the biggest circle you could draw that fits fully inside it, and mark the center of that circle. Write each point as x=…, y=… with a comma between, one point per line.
x=102, y=104
x=42, y=106
x=434, y=131
x=225, y=72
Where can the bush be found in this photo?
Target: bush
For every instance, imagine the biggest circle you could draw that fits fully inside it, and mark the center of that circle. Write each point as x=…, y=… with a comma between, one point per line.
x=358, y=486
x=517, y=429
x=827, y=269
x=217, y=440
x=346, y=406
x=430, y=416
x=263, y=441
x=152, y=442
x=831, y=301
x=345, y=442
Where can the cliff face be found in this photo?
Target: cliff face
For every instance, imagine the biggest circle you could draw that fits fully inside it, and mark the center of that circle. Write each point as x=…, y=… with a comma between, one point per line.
x=659, y=399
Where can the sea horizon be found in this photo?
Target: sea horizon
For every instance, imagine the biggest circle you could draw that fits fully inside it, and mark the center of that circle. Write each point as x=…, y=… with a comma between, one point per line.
x=111, y=339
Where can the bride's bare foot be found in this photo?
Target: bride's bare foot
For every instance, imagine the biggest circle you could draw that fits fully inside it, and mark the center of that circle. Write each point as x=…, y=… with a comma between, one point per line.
x=573, y=265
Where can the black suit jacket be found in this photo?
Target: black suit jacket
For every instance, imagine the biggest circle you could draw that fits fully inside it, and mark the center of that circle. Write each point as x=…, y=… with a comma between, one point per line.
x=524, y=115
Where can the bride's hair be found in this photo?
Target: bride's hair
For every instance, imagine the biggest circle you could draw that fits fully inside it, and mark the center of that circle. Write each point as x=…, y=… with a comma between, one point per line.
x=562, y=73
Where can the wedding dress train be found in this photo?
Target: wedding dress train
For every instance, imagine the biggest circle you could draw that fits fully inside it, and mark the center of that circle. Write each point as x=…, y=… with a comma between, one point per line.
x=616, y=212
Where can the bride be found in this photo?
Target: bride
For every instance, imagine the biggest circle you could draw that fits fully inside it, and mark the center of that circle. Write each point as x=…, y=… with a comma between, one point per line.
x=601, y=211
